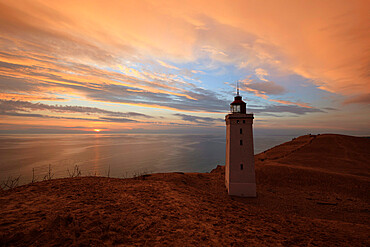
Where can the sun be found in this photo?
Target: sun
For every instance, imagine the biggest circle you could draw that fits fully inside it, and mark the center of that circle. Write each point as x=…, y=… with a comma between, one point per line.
x=97, y=130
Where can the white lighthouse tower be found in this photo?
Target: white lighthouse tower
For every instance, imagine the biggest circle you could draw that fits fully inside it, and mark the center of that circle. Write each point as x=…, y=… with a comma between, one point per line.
x=239, y=171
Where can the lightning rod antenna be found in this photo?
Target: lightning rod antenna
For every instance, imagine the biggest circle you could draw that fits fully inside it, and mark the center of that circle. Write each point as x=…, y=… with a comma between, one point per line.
x=237, y=88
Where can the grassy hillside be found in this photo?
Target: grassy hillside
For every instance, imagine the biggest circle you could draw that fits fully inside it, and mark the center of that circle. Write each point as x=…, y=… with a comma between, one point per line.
x=312, y=191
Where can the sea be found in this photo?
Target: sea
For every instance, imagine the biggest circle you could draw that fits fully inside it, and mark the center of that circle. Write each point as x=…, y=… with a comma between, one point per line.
x=31, y=157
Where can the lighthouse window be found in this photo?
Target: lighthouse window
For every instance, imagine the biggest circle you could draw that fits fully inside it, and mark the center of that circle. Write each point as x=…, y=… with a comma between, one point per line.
x=241, y=167
x=235, y=108
x=241, y=142
x=237, y=121
x=241, y=131
x=243, y=121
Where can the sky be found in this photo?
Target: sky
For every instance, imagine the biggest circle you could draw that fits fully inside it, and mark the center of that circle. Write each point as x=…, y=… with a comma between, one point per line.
x=172, y=66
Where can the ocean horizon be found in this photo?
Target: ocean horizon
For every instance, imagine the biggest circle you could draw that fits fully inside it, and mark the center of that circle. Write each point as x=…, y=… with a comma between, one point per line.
x=116, y=155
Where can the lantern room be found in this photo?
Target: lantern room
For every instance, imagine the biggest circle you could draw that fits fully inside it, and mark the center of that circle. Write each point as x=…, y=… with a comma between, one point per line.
x=238, y=105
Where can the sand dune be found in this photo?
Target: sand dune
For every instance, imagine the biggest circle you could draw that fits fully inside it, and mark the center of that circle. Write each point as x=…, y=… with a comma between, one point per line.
x=312, y=191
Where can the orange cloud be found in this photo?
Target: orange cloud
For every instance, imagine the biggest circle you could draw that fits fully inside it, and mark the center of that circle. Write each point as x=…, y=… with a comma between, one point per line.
x=321, y=40
x=167, y=65
x=26, y=97
x=261, y=89
x=358, y=99
x=326, y=41
x=257, y=93
x=44, y=71
x=286, y=102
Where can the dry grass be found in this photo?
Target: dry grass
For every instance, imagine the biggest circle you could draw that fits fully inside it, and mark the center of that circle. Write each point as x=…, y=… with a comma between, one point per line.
x=76, y=172
x=10, y=183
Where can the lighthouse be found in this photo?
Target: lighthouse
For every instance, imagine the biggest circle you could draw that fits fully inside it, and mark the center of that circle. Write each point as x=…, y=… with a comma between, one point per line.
x=239, y=170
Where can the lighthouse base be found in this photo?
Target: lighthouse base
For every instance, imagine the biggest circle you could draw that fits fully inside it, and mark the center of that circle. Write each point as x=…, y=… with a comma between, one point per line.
x=242, y=189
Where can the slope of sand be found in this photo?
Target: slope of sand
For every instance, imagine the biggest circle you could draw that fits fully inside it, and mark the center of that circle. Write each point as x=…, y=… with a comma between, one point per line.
x=312, y=191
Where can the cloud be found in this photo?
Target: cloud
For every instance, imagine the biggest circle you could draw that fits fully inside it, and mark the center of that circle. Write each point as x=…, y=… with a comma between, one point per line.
x=358, y=99
x=286, y=102
x=23, y=96
x=206, y=101
x=38, y=31
x=316, y=40
x=197, y=71
x=115, y=87
x=117, y=120
x=330, y=109
x=167, y=65
x=261, y=73
x=265, y=87
x=196, y=119
x=284, y=109
x=14, y=107
x=26, y=110
x=322, y=40
x=213, y=51
x=43, y=116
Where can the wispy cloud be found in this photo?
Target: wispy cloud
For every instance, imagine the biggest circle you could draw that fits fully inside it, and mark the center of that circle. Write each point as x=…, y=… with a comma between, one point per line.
x=261, y=73
x=295, y=109
x=22, y=108
x=167, y=65
x=101, y=85
x=358, y=99
x=262, y=87
x=286, y=102
x=197, y=119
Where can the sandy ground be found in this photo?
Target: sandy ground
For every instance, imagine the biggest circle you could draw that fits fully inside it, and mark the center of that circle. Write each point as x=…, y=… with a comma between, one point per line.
x=312, y=191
